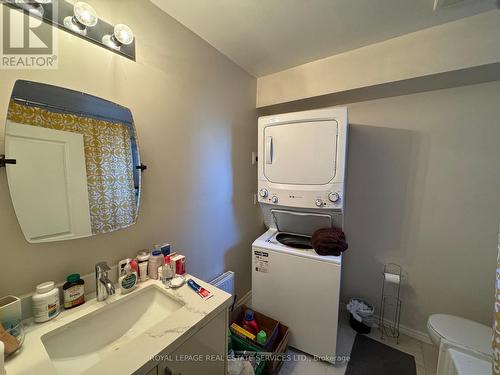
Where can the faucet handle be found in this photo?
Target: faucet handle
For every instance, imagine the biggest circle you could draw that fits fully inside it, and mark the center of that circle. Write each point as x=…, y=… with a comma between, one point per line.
x=102, y=267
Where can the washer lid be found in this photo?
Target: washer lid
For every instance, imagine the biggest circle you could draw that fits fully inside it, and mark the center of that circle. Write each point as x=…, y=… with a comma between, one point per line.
x=463, y=332
x=301, y=223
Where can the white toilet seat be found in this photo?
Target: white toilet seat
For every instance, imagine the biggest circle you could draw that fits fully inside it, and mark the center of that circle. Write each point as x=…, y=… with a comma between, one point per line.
x=460, y=331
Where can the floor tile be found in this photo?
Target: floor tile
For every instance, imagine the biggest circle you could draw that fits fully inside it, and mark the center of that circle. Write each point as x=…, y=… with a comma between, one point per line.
x=346, y=337
x=285, y=371
x=303, y=364
x=421, y=370
x=431, y=353
x=332, y=370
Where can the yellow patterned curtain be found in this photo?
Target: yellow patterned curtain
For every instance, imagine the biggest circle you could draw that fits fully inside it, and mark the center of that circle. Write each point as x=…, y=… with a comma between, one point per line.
x=108, y=157
x=496, y=327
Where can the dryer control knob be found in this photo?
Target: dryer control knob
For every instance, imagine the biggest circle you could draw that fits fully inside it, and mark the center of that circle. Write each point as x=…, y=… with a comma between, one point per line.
x=334, y=197
x=274, y=199
x=319, y=202
x=263, y=193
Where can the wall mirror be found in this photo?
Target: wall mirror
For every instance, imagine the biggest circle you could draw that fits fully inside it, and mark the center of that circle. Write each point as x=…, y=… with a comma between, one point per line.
x=73, y=164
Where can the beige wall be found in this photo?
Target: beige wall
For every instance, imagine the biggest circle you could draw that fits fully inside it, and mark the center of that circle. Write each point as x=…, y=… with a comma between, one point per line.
x=196, y=122
x=423, y=191
x=459, y=45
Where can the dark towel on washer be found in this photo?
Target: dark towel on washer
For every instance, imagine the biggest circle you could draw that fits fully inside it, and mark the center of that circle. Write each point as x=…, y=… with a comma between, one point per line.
x=329, y=241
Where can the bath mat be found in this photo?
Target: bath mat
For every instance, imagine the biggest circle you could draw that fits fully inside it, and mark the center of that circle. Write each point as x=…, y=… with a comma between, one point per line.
x=370, y=357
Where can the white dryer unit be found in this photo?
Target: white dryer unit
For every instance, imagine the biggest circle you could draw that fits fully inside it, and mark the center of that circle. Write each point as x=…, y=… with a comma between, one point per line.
x=302, y=158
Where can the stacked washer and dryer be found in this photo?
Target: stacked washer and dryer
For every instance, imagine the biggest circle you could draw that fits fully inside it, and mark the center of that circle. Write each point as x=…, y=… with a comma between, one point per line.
x=301, y=183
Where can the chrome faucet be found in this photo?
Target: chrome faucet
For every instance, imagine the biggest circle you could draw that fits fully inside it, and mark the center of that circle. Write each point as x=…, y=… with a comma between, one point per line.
x=103, y=286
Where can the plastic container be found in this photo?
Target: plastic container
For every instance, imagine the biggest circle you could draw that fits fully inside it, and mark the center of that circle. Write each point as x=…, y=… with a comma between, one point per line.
x=169, y=270
x=12, y=334
x=73, y=291
x=249, y=322
x=127, y=276
x=261, y=338
x=155, y=260
x=46, y=305
x=142, y=262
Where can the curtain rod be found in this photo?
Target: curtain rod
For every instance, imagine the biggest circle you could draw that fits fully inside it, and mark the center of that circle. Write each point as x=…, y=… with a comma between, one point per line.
x=66, y=110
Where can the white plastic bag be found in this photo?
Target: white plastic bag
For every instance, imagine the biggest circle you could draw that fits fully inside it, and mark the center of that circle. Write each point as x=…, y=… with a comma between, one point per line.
x=361, y=310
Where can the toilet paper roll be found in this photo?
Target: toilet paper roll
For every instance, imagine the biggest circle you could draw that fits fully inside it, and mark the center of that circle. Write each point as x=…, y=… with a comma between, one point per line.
x=392, y=278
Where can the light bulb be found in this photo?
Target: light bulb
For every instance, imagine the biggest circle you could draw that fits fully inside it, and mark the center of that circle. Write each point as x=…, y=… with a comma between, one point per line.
x=35, y=8
x=84, y=16
x=122, y=35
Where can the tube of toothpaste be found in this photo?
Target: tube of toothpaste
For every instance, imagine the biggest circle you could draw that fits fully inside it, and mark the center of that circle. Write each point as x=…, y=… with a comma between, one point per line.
x=202, y=292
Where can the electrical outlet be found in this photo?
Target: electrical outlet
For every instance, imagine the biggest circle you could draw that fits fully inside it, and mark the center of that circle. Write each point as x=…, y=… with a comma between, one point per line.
x=255, y=200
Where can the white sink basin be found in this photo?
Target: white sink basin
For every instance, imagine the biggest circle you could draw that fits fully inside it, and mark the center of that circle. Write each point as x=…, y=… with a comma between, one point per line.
x=83, y=343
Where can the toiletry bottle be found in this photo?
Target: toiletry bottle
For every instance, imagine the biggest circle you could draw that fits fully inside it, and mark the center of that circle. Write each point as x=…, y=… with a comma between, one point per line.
x=73, y=291
x=249, y=322
x=169, y=269
x=261, y=338
x=155, y=260
x=45, y=302
x=160, y=274
x=142, y=260
x=128, y=277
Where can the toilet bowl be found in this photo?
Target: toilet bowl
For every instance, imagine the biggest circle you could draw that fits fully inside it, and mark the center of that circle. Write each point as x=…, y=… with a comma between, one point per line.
x=463, y=332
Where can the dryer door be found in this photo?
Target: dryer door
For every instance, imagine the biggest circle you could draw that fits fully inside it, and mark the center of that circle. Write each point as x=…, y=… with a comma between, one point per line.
x=303, y=153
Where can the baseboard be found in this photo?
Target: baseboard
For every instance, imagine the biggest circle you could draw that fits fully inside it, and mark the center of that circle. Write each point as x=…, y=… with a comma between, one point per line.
x=246, y=299
x=410, y=332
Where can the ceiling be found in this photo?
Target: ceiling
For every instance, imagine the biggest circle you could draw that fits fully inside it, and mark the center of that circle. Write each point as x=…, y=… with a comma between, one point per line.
x=267, y=36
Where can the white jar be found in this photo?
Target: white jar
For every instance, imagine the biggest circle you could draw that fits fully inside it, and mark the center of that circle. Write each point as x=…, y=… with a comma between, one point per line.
x=45, y=302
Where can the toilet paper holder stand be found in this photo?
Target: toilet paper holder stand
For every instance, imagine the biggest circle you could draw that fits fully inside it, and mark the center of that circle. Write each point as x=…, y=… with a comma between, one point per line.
x=390, y=303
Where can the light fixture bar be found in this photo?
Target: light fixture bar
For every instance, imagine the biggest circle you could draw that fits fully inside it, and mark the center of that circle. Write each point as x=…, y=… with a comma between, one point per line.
x=79, y=19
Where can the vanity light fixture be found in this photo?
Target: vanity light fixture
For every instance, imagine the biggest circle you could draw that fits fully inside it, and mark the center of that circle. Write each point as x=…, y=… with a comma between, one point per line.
x=80, y=19
x=122, y=35
x=84, y=16
x=35, y=7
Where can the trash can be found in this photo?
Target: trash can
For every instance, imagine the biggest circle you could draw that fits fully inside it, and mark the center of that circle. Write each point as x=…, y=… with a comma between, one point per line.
x=361, y=315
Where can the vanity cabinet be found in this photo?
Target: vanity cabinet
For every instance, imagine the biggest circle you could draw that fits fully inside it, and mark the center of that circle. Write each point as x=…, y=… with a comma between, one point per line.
x=202, y=353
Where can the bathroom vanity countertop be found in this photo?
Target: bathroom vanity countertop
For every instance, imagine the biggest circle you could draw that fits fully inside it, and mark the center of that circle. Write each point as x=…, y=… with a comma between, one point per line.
x=128, y=356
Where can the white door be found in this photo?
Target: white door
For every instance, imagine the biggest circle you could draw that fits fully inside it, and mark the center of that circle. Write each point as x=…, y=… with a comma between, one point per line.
x=48, y=185
x=303, y=294
x=303, y=153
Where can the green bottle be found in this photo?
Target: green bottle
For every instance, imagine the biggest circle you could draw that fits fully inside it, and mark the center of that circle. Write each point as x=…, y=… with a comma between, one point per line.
x=261, y=338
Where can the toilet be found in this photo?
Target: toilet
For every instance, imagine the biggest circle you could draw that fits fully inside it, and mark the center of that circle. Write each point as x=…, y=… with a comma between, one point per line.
x=459, y=331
